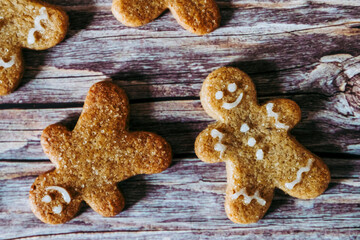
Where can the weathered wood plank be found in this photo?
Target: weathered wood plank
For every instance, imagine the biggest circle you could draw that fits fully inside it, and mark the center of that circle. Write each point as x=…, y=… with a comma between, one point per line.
x=186, y=199
x=161, y=66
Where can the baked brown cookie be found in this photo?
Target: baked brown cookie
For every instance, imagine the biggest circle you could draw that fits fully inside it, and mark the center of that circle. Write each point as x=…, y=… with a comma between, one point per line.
x=94, y=157
x=26, y=24
x=255, y=143
x=197, y=16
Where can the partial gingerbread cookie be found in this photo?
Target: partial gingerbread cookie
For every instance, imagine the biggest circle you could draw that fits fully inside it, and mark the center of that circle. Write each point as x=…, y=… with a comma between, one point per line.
x=255, y=143
x=94, y=157
x=197, y=16
x=26, y=24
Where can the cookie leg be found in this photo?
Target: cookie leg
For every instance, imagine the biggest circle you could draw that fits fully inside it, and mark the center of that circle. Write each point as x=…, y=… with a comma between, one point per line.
x=106, y=200
x=246, y=200
x=52, y=200
x=304, y=175
x=11, y=68
x=135, y=13
x=197, y=16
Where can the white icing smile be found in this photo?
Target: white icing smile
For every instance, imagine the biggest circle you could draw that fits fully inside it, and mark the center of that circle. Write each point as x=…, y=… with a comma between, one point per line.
x=38, y=28
x=8, y=64
x=298, y=175
x=229, y=106
x=247, y=198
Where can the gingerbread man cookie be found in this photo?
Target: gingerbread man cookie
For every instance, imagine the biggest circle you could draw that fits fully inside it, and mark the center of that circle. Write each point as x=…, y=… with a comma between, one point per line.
x=255, y=143
x=26, y=24
x=197, y=16
x=94, y=157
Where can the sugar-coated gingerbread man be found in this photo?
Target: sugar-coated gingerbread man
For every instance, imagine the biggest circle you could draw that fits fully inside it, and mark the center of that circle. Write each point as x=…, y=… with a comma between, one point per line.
x=255, y=143
x=94, y=157
x=197, y=16
x=26, y=24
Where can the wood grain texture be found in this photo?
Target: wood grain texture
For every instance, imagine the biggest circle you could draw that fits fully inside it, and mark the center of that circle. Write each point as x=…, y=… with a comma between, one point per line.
x=187, y=205
x=285, y=46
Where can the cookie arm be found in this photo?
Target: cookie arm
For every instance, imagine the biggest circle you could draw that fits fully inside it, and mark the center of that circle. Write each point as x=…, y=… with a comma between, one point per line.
x=210, y=146
x=282, y=113
x=11, y=68
x=246, y=200
x=306, y=177
x=54, y=141
x=197, y=16
x=149, y=153
x=46, y=27
x=135, y=13
x=106, y=200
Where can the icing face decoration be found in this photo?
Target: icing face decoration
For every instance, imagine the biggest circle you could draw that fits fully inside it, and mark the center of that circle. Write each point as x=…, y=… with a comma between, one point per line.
x=231, y=88
x=65, y=195
x=38, y=28
x=254, y=142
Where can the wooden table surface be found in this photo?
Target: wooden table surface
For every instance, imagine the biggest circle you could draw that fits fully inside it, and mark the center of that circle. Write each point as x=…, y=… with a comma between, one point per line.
x=286, y=46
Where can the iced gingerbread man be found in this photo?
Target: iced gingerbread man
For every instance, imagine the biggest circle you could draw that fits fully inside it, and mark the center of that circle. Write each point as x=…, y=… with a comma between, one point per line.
x=255, y=143
x=94, y=157
x=26, y=24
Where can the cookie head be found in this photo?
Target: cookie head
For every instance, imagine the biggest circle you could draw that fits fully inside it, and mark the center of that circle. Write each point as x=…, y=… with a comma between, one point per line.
x=228, y=93
x=52, y=201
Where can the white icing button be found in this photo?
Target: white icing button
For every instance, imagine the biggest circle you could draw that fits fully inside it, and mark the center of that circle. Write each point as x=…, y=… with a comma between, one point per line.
x=244, y=128
x=232, y=87
x=298, y=175
x=251, y=142
x=219, y=95
x=46, y=199
x=57, y=209
x=64, y=193
x=259, y=154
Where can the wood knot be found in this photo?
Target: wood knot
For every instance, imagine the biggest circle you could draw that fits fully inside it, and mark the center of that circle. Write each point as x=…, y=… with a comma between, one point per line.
x=338, y=74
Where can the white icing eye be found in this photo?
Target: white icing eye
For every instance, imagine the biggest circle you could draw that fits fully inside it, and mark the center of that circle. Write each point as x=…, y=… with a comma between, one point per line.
x=251, y=142
x=46, y=199
x=232, y=87
x=244, y=128
x=219, y=95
